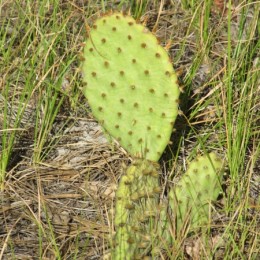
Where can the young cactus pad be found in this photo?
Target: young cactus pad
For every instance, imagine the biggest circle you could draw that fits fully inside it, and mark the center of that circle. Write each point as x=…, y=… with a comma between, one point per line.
x=201, y=184
x=130, y=84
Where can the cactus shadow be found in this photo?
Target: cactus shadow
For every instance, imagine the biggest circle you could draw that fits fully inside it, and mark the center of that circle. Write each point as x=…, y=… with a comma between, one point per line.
x=181, y=128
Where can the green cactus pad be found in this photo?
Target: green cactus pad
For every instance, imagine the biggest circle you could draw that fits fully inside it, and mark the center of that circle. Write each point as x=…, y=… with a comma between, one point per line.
x=130, y=85
x=200, y=185
x=136, y=206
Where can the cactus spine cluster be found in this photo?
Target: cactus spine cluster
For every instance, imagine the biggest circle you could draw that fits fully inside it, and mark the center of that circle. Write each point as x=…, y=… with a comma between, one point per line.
x=132, y=90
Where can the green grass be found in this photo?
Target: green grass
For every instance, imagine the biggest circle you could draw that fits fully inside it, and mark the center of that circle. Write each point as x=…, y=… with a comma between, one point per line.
x=40, y=95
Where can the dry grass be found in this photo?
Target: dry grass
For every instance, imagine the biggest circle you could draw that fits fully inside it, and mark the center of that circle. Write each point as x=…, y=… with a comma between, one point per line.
x=59, y=189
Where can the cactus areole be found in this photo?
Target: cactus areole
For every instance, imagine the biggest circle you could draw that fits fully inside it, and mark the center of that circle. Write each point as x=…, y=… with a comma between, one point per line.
x=130, y=85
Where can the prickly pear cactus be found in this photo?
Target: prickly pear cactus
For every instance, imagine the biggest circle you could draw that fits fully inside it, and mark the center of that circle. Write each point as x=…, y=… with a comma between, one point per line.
x=130, y=85
x=136, y=209
x=200, y=185
x=132, y=90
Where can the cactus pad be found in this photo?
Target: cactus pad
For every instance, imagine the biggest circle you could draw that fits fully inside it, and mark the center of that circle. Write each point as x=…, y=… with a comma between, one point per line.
x=136, y=207
x=130, y=85
x=201, y=184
